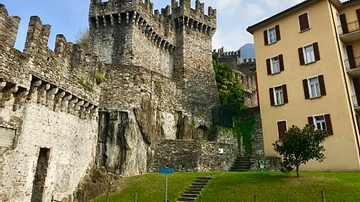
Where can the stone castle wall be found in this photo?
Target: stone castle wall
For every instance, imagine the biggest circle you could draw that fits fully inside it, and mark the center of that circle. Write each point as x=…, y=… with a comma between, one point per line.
x=244, y=70
x=44, y=108
x=57, y=122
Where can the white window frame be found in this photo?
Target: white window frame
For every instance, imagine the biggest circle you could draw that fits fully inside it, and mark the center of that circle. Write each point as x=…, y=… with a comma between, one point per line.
x=309, y=55
x=339, y=24
x=271, y=34
x=275, y=64
x=319, y=124
x=278, y=100
x=316, y=85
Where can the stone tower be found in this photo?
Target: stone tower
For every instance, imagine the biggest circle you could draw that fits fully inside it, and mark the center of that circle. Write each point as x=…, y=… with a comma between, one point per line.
x=175, y=43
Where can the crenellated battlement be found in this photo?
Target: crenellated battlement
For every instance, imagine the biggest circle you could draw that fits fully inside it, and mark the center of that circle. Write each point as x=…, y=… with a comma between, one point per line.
x=61, y=70
x=184, y=10
x=8, y=27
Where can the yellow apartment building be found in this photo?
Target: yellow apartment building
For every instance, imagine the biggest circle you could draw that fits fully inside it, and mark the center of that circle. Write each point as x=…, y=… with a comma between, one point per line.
x=308, y=70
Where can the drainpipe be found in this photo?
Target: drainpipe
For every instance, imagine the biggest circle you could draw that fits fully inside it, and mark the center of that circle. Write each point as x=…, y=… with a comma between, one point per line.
x=345, y=78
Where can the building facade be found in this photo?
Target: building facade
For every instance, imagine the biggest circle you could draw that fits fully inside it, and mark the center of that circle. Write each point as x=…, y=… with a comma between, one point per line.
x=308, y=73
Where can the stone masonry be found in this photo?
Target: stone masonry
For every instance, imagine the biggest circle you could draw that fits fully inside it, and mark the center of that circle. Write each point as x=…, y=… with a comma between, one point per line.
x=58, y=123
x=244, y=70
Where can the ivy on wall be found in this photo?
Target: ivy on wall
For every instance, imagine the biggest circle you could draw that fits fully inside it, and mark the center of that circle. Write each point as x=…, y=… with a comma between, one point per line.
x=243, y=129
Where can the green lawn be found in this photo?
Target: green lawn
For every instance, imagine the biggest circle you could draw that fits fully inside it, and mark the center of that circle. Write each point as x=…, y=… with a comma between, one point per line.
x=229, y=187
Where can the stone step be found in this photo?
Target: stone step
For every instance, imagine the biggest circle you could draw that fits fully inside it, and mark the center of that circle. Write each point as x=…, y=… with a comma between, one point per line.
x=197, y=186
x=239, y=170
x=191, y=192
x=186, y=199
x=194, y=189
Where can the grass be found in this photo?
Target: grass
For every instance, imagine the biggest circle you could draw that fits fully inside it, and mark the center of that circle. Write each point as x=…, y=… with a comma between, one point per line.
x=229, y=186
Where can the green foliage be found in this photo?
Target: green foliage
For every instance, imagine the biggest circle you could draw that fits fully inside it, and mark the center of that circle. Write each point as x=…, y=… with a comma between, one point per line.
x=99, y=78
x=229, y=87
x=86, y=84
x=143, y=80
x=299, y=146
x=243, y=129
x=82, y=38
x=158, y=88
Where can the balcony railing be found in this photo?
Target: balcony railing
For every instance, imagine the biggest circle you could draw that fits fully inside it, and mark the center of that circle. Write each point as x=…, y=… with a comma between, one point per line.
x=351, y=27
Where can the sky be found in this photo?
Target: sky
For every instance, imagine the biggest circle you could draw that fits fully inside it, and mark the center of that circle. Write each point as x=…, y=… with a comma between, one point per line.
x=69, y=17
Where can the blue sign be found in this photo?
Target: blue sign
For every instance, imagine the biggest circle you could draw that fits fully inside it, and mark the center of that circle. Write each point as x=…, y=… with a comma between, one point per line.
x=166, y=170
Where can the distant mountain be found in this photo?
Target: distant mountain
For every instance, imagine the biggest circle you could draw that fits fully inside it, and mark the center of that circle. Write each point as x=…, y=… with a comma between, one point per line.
x=247, y=51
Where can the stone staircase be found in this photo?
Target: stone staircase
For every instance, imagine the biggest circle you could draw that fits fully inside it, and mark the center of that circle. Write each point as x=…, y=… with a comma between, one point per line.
x=241, y=164
x=194, y=190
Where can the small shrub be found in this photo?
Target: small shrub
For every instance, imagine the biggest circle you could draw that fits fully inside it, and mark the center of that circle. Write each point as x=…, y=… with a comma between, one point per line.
x=99, y=78
x=86, y=84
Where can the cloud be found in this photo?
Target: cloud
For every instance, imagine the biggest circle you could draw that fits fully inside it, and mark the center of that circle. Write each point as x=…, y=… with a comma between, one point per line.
x=254, y=10
x=224, y=7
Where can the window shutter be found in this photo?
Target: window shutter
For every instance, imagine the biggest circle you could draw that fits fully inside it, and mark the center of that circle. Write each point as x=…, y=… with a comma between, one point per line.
x=266, y=40
x=344, y=24
x=286, y=100
x=301, y=56
x=306, y=89
x=281, y=61
x=316, y=51
x=304, y=22
x=281, y=128
x=277, y=30
x=272, y=101
x=328, y=124
x=351, y=57
x=322, y=85
x=310, y=120
x=268, y=65
x=356, y=82
x=358, y=14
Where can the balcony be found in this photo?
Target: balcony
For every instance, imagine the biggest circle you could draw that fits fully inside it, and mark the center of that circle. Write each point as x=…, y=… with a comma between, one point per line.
x=353, y=67
x=351, y=32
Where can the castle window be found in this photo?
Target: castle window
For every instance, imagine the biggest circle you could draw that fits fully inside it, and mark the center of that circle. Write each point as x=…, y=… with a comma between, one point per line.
x=304, y=22
x=321, y=122
x=278, y=95
x=275, y=64
x=272, y=35
x=314, y=87
x=309, y=53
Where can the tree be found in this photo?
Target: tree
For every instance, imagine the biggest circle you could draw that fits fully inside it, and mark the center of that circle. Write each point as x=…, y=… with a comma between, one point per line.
x=299, y=146
x=82, y=38
x=229, y=87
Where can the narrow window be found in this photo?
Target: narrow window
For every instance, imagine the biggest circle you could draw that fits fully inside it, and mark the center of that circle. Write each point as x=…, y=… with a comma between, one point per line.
x=278, y=95
x=314, y=87
x=282, y=128
x=272, y=35
x=321, y=122
x=304, y=22
x=275, y=64
x=309, y=53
